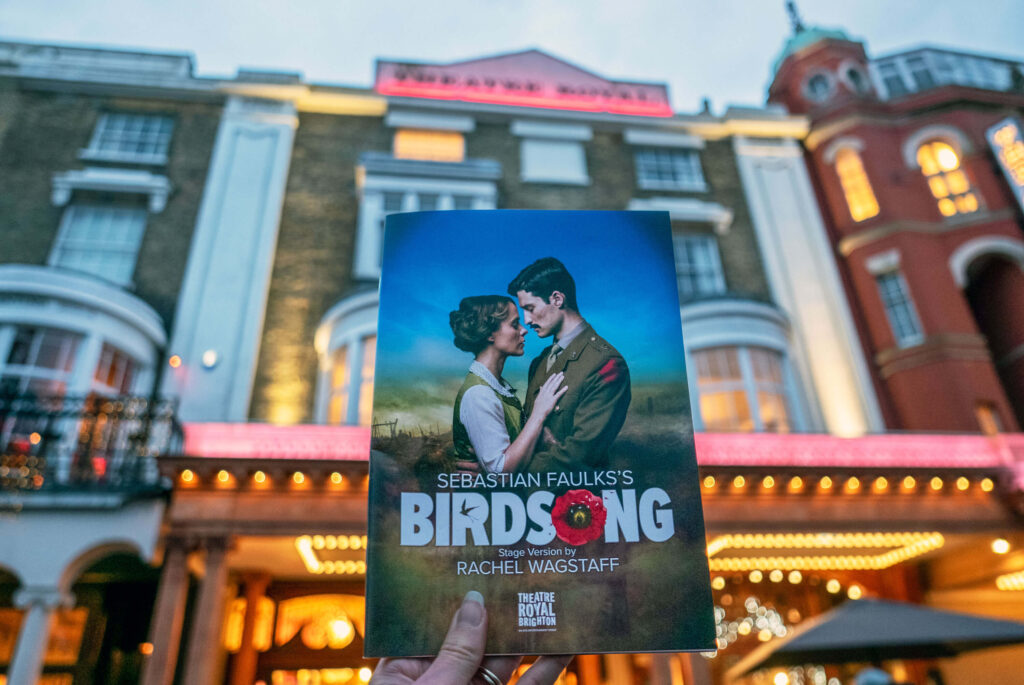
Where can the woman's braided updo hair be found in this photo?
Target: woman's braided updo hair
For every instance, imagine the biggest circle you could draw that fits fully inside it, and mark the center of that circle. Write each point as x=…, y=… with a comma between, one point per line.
x=476, y=319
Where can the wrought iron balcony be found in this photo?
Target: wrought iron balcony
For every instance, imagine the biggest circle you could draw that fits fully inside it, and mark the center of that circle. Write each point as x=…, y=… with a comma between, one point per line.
x=76, y=444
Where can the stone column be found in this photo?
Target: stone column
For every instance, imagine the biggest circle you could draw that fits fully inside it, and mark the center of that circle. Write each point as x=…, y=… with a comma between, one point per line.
x=619, y=668
x=208, y=618
x=39, y=604
x=661, y=670
x=696, y=670
x=168, y=616
x=243, y=671
x=588, y=666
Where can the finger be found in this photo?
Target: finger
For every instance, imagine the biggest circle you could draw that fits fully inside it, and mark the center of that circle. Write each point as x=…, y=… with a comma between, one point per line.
x=463, y=647
x=561, y=391
x=545, y=670
x=501, y=666
x=554, y=380
x=398, y=671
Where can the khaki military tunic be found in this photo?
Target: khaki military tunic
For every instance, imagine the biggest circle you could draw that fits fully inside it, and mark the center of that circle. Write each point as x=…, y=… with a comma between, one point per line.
x=590, y=414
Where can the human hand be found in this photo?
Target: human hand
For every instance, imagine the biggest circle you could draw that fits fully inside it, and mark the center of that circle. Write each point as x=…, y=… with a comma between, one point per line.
x=461, y=659
x=468, y=467
x=549, y=394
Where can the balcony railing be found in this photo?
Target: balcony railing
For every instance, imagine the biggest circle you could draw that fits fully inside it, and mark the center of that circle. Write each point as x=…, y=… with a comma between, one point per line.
x=84, y=443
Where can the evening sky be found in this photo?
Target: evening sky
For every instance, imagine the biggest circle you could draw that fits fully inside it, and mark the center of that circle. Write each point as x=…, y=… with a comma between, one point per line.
x=722, y=49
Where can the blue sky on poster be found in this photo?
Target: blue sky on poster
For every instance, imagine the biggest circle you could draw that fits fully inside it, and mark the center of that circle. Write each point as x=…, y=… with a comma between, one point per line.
x=720, y=49
x=624, y=273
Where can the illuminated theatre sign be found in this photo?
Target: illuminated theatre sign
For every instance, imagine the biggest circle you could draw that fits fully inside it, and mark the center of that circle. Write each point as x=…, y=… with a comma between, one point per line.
x=1007, y=142
x=522, y=79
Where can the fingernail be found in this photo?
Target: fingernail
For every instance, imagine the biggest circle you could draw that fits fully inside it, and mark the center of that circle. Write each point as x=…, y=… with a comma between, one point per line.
x=471, y=613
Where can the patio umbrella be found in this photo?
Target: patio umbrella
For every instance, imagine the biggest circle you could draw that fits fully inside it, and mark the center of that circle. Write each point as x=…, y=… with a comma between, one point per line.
x=875, y=630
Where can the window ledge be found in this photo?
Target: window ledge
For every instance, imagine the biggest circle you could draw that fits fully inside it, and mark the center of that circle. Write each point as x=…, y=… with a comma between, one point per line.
x=668, y=185
x=556, y=181
x=135, y=181
x=89, y=155
x=687, y=209
x=474, y=169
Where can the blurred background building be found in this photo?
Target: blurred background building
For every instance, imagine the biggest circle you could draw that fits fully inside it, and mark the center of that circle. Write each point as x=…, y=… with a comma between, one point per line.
x=188, y=294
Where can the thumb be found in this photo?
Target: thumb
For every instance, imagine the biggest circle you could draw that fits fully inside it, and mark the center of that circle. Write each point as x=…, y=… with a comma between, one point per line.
x=463, y=647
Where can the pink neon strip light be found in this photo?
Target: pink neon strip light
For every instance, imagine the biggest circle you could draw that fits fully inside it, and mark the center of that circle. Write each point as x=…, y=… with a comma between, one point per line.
x=352, y=443
x=469, y=95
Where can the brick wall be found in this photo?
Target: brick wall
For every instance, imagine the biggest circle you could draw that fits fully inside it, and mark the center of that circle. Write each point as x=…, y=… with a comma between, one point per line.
x=314, y=259
x=41, y=134
x=316, y=243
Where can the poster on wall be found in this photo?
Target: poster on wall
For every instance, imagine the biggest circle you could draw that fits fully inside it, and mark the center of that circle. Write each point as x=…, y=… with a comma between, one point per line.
x=532, y=437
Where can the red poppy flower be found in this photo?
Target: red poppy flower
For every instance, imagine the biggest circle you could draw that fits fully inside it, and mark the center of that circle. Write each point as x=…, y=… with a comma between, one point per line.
x=579, y=517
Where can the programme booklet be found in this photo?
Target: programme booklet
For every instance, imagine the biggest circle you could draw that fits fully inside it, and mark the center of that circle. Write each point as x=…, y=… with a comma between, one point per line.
x=560, y=482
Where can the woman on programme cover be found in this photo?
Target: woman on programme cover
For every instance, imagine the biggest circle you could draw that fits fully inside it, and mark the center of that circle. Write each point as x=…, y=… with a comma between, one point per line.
x=487, y=425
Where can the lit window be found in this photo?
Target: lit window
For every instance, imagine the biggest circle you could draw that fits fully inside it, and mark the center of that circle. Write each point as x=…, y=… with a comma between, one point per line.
x=366, y=380
x=742, y=389
x=554, y=161
x=698, y=266
x=856, y=187
x=337, y=407
x=899, y=308
x=103, y=241
x=940, y=165
x=131, y=137
x=345, y=385
x=115, y=372
x=435, y=146
x=665, y=169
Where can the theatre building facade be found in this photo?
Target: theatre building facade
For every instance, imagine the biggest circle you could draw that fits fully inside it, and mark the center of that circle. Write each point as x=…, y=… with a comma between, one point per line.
x=188, y=300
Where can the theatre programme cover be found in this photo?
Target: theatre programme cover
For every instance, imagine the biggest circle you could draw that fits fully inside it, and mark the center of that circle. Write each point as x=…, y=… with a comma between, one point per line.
x=532, y=437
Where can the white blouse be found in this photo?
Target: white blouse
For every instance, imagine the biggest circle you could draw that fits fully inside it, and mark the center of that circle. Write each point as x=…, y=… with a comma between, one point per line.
x=482, y=414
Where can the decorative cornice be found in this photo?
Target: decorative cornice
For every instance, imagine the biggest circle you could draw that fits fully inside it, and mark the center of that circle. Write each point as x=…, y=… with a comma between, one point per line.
x=687, y=209
x=851, y=243
x=135, y=181
x=934, y=348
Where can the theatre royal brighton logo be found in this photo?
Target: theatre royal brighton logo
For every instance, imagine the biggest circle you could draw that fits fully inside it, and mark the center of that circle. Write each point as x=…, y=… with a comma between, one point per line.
x=537, y=612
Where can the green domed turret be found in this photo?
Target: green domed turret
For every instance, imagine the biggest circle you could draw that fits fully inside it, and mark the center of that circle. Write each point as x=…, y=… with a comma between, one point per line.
x=803, y=39
x=803, y=36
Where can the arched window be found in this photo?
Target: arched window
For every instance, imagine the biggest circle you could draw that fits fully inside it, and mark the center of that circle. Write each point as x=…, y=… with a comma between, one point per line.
x=819, y=86
x=940, y=164
x=346, y=342
x=860, y=198
x=351, y=391
x=742, y=389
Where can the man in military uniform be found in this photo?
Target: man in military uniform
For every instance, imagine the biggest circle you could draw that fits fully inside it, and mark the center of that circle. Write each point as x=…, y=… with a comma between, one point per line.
x=589, y=416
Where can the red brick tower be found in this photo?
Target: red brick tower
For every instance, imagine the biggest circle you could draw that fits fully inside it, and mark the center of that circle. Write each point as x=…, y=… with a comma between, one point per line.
x=918, y=161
